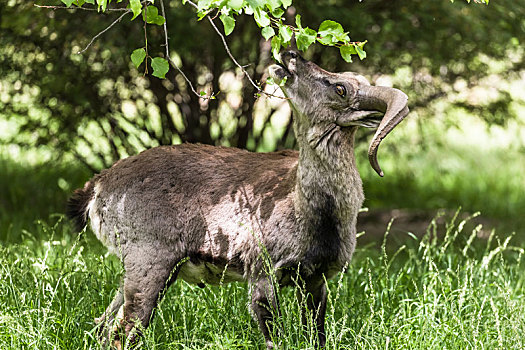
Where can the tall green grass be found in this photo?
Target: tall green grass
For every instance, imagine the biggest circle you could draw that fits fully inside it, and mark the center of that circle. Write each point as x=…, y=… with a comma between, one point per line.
x=429, y=166
x=448, y=289
x=455, y=292
x=30, y=191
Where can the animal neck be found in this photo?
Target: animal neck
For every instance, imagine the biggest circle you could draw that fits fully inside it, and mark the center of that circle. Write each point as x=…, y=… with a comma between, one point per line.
x=328, y=196
x=327, y=178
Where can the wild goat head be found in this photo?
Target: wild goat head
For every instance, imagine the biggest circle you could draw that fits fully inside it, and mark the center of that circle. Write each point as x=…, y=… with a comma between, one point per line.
x=323, y=101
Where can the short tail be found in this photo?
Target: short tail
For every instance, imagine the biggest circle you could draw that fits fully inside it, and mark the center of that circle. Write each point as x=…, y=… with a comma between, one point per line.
x=77, y=206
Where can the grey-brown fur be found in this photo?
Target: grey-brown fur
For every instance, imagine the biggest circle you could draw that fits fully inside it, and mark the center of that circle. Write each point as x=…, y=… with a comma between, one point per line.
x=218, y=206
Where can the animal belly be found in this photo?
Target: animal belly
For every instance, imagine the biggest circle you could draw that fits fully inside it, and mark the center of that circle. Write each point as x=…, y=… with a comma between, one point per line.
x=206, y=272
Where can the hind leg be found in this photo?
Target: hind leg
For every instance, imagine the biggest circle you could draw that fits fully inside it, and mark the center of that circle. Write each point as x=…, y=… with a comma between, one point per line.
x=148, y=272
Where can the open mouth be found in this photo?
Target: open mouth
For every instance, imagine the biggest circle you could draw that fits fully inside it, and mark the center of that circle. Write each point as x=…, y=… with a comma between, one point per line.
x=285, y=68
x=279, y=72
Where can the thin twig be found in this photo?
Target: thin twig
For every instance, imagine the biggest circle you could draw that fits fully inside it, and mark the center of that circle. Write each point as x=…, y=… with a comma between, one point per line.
x=105, y=30
x=168, y=57
x=146, y=38
x=120, y=9
x=126, y=11
x=227, y=48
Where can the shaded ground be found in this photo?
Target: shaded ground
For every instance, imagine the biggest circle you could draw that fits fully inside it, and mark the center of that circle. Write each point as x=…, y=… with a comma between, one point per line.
x=375, y=222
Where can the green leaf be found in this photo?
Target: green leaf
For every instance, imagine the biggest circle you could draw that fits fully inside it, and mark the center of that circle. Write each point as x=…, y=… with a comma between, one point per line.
x=278, y=12
x=325, y=40
x=228, y=22
x=68, y=2
x=235, y=4
x=360, y=52
x=270, y=81
x=330, y=27
x=159, y=20
x=286, y=3
x=160, y=67
x=346, y=52
x=331, y=32
x=102, y=4
x=273, y=4
x=137, y=56
x=276, y=46
x=254, y=4
x=136, y=7
x=286, y=33
x=261, y=17
x=305, y=38
x=362, y=43
x=267, y=32
x=152, y=16
x=79, y=3
x=298, y=22
x=203, y=5
x=202, y=14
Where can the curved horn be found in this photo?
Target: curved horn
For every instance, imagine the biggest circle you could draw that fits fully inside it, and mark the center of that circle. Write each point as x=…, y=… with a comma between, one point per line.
x=393, y=103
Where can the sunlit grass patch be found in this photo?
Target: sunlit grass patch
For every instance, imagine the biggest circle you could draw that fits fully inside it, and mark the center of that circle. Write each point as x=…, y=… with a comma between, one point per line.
x=31, y=190
x=429, y=164
x=445, y=290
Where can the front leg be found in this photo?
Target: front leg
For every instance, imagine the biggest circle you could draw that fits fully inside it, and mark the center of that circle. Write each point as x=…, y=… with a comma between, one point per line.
x=265, y=306
x=315, y=292
x=106, y=322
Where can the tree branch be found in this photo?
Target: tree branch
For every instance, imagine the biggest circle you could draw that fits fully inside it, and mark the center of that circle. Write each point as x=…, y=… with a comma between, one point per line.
x=227, y=48
x=168, y=57
x=120, y=9
x=146, y=38
x=105, y=30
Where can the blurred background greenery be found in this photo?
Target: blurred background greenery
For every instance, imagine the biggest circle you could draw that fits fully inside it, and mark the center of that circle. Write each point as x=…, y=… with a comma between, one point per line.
x=65, y=116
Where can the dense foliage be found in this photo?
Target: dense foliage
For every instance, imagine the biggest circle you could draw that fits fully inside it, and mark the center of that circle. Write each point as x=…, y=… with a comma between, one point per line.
x=98, y=107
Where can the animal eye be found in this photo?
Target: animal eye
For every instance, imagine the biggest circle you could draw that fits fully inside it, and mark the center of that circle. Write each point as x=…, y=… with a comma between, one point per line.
x=341, y=90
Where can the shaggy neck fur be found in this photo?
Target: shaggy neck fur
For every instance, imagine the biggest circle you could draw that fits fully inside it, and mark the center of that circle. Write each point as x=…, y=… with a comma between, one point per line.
x=328, y=193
